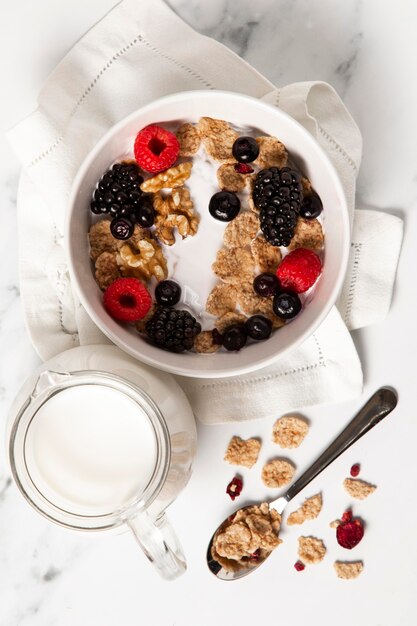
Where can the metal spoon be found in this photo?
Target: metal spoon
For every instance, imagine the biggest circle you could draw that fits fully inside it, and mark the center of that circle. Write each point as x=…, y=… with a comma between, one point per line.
x=378, y=406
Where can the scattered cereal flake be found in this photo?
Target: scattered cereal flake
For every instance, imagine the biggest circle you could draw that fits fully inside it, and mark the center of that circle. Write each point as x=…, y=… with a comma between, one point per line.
x=357, y=488
x=101, y=239
x=272, y=153
x=229, y=319
x=233, y=265
x=169, y=179
x=348, y=569
x=335, y=523
x=218, y=138
x=289, y=431
x=189, y=140
x=267, y=257
x=175, y=210
x=307, y=234
x=242, y=230
x=107, y=270
x=222, y=299
x=228, y=178
x=277, y=473
x=311, y=550
x=204, y=343
x=242, y=451
x=310, y=509
x=141, y=324
x=307, y=187
x=249, y=301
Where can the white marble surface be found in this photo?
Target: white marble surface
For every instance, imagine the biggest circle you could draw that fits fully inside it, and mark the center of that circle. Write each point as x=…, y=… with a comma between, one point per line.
x=368, y=51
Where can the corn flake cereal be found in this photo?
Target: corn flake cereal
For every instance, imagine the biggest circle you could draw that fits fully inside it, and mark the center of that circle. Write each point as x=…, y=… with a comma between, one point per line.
x=234, y=265
x=242, y=451
x=218, y=138
x=272, y=153
x=358, y=489
x=289, y=431
x=307, y=234
x=222, y=299
x=241, y=231
x=310, y=509
x=311, y=550
x=189, y=140
x=277, y=473
x=267, y=257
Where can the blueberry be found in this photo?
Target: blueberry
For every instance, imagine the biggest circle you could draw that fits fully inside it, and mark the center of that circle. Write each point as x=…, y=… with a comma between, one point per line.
x=258, y=327
x=167, y=293
x=312, y=206
x=245, y=149
x=121, y=228
x=266, y=285
x=224, y=206
x=144, y=213
x=286, y=305
x=234, y=337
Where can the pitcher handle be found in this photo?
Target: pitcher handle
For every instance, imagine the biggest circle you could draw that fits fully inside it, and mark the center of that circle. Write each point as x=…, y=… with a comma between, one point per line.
x=159, y=543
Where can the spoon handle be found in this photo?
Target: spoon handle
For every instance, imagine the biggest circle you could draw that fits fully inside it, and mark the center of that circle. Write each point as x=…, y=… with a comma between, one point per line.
x=378, y=406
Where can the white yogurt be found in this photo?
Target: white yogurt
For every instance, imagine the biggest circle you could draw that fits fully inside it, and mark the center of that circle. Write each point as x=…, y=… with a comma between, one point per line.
x=90, y=449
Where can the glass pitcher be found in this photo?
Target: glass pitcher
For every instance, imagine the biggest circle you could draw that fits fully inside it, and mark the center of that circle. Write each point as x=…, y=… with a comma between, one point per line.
x=97, y=440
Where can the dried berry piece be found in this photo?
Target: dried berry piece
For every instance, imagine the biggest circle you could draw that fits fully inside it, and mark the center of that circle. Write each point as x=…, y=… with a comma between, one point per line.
x=299, y=566
x=234, y=488
x=243, y=168
x=349, y=532
x=355, y=469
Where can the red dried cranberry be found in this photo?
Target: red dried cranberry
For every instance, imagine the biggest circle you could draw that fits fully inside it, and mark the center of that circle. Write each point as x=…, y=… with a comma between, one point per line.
x=355, y=469
x=234, y=488
x=299, y=566
x=243, y=168
x=349, y=532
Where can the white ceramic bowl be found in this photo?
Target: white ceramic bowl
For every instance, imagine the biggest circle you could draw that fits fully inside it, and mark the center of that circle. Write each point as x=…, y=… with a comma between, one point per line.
x=240, y=110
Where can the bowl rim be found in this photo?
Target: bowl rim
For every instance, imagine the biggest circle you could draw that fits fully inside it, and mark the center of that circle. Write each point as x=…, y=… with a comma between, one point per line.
x=188, y=371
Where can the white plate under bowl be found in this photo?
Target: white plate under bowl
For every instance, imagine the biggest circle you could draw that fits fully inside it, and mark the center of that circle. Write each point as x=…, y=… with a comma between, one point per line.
x=240, y=110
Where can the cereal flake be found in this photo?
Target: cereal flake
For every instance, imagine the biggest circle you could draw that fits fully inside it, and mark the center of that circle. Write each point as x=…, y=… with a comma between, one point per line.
x=229, y=179
x=358, y=489
x=241, y=231
x=222, y=299
x=310, y=509
x=204, y=343
x=289, y=431
x=189, y=140
x=277, y=473
x=272, y=153
x=242, y=451
x=348, y=569
x=218, y=138
x=307, y=234
x=229, y=319
x=307, y=186
x=106, y=269
x=311, y=550
x=233, y=265
x=101, y=239
x=267, y=257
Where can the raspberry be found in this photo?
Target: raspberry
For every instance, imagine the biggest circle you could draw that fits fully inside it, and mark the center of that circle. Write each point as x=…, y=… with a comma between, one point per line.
x=299, y=566
x=156, y=149
x=349, y=532
x=234, y=488
x=243, y=168
x=299, y=270
x=127, y=300
x=355, y=469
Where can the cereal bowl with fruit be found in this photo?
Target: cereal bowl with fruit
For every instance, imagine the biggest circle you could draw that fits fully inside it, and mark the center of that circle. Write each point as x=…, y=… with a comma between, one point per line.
x=207, y=234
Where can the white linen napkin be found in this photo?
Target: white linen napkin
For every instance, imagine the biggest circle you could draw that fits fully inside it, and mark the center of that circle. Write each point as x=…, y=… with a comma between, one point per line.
x=132, y=56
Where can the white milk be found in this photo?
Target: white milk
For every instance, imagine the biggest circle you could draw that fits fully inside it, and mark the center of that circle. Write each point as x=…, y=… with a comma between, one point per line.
x=89, y=449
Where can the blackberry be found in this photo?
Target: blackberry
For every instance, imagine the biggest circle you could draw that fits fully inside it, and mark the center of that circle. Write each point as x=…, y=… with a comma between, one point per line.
x=172, y=329
x=118, y=192
x=277, y=194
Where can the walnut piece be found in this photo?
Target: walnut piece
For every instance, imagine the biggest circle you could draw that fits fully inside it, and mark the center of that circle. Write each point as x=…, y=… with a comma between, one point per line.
x=221, y=299
x=189, y=140
x=272, y=153
x=106, y=269
x=310, y=509
x=277, y=473
x=242, y=451
x=218, y=138
x=229, y=179
x=289, y=431
x=204, y=343
x=242, y=230
x=348, y=569
x=170, y=179
x=253, y=529
x=143, y=260
x=358, y=489
x=233, y=265
x=311, y=550
x=267, y=257
x=307, y=234
x=176, y=210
